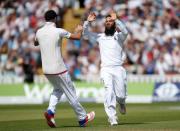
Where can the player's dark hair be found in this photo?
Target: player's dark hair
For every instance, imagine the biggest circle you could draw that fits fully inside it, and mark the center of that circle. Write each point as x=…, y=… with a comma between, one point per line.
x=50, y=15
x=108, y=15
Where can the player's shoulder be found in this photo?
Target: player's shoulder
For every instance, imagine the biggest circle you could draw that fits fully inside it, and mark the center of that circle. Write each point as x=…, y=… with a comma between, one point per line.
x=62, y=32
x=116, y=33
x=59, y=29
x=101, y=34
x=39, y=29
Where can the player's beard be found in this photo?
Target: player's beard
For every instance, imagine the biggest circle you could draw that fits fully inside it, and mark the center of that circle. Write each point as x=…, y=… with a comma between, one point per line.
x=110, y=31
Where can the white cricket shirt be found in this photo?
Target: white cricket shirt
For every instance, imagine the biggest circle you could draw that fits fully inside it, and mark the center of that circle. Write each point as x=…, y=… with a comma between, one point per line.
x=49, y=38
x=111, y=47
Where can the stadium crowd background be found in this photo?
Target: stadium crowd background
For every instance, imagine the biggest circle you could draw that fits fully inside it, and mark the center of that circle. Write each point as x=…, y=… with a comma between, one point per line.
x=152, y=47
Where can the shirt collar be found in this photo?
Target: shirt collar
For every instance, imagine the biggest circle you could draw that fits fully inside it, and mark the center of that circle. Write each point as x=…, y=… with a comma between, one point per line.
x=50, y=24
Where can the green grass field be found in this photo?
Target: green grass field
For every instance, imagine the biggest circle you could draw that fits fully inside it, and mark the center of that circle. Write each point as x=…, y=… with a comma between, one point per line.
x=134, y=88
x=139, y=117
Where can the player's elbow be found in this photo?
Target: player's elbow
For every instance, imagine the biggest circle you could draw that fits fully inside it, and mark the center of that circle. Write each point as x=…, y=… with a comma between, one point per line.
x=126, y=32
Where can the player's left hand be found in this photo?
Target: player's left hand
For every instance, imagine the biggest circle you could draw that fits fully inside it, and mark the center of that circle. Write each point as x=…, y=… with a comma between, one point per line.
x=113, y=16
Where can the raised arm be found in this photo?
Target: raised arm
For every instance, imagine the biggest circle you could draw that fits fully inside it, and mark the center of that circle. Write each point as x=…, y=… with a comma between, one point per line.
x=123, y=30
x=123, y=33
x=75, y=36
x=86, y=32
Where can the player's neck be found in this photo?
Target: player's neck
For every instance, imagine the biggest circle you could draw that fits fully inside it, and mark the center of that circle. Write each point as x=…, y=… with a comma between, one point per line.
x=50, y=23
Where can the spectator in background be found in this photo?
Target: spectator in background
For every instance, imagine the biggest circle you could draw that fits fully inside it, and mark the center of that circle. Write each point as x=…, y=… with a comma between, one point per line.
x=153, y=24
x=3, y=57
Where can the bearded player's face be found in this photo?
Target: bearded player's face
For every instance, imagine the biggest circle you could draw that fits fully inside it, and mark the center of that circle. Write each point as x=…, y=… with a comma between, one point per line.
x=109, y=23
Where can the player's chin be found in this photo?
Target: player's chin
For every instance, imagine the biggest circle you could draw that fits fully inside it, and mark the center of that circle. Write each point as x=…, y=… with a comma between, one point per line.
x=108, y=27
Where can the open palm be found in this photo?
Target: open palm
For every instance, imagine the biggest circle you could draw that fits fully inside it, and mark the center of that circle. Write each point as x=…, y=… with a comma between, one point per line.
x=78, y=29
x=113, y=16
x=91, y=17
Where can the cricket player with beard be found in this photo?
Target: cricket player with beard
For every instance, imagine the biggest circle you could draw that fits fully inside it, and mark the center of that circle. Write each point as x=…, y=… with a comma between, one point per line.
x=112, y=56
x=49, y=39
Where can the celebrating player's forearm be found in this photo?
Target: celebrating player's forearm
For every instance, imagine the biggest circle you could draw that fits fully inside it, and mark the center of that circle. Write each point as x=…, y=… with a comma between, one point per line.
x=77, y=34
x=85, y=27
x=122, y=27
x=86, y=32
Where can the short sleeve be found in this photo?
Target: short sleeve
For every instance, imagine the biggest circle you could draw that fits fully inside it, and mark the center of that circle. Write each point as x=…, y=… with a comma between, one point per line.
x=64, y=33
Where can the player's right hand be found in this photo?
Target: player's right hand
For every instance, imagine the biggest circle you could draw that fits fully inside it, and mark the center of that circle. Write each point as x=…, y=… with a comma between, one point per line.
x=91, y=17
x=79, y=29
x=113, y=16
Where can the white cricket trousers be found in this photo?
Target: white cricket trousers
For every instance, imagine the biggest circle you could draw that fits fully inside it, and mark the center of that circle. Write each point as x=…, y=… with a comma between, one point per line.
x=115, y=83
x=62, y=84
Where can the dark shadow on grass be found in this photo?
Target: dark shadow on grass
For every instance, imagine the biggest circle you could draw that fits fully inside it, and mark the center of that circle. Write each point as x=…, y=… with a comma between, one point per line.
x=133, y=123
x=65, y=126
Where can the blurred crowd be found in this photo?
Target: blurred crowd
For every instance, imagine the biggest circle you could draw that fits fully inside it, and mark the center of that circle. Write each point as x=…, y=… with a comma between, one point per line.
x=19, y=20
x=152, y=47
x=153, y=44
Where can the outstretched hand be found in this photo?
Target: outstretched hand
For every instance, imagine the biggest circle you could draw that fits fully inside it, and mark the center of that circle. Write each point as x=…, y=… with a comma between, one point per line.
x=79, y=29
x=113, y=16
x=91, y=17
